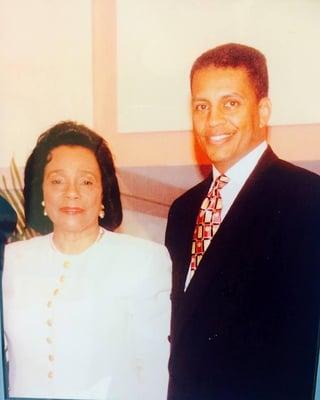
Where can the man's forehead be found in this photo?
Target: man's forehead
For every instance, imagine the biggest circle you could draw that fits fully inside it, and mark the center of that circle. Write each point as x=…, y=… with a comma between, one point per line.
x=219, y=70
x=219, y=77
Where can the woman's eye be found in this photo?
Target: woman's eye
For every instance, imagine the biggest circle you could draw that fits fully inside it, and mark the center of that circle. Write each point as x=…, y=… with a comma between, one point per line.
x=56, y=181
x=87, y=182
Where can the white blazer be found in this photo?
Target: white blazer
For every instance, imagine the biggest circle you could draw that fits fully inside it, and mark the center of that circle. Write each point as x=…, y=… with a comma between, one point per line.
x=88, y=326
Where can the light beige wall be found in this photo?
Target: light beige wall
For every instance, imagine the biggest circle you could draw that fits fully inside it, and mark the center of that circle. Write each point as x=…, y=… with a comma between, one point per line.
x=155, y=53
x=45, y=70
x=116, y=66
x=61, y=60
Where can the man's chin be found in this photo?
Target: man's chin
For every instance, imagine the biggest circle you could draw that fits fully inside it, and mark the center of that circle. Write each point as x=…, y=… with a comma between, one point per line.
x=219, y=151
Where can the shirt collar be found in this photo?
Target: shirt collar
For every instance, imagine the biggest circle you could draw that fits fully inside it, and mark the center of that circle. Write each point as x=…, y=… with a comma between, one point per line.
x=241, y=170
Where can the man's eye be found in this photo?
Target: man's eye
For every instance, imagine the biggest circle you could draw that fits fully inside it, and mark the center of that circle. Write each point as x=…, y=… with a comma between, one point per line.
x=231, y=104
x=201, y=107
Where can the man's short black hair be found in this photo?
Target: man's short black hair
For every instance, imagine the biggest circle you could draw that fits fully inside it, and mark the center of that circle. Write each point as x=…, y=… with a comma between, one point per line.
x=234, y=55
x=69, y=134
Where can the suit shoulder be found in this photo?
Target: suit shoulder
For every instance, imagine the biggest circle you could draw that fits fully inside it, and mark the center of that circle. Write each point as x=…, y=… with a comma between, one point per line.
x=192, y=193
x=297, y=171
x=289, y=174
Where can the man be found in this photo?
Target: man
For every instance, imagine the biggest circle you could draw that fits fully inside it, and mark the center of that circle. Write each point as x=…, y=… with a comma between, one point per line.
x=246, y=267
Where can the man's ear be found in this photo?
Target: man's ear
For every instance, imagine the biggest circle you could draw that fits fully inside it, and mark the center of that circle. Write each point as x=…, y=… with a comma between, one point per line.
x=264, y=111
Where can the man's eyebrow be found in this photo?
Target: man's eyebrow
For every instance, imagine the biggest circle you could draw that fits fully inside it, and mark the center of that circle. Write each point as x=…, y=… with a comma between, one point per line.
x=233, y=94
x=225, y=96
x=199, y=99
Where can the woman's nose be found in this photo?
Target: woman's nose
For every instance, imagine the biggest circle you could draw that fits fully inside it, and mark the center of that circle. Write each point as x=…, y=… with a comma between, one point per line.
x=72, y=191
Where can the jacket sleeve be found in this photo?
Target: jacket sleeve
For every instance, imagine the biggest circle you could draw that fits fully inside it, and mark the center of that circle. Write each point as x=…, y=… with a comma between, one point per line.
x=149, y=325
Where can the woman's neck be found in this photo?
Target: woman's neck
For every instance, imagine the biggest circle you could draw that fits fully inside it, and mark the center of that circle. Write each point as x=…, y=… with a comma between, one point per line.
x=75, y=242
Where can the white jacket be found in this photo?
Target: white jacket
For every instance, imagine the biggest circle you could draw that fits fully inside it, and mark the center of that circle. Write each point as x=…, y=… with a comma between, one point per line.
x=88, y=326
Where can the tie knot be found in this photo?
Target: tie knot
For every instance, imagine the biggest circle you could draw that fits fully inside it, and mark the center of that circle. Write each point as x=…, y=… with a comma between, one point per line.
x=221, y=181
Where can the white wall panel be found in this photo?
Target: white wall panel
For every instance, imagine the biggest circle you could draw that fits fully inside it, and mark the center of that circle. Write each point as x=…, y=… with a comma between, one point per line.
x=159, y=40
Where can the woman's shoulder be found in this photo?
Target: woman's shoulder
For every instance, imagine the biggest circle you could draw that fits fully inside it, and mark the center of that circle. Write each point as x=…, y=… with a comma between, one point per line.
x=141, y=260
x=133, y=243
x=25, y=256
x=136, y=253
x=27, y=246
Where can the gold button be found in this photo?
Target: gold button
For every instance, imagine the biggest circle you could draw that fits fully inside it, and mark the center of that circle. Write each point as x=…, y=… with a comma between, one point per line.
x=50, y=374
x=51, y=358
x=55, y=292
x=61, y=279
x=66, y=264
x=49, y=304
x=49, y=340
x=49, y=322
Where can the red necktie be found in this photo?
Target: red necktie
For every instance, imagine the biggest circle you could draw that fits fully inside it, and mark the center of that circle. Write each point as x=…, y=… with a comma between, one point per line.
x=208, y=221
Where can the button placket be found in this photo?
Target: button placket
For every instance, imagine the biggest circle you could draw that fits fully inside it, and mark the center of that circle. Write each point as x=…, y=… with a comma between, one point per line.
x=56, y=292
x=49, y=336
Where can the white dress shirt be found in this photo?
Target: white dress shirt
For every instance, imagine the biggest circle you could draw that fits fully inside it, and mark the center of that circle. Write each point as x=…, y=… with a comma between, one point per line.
x=88, y=326
x=237, y=174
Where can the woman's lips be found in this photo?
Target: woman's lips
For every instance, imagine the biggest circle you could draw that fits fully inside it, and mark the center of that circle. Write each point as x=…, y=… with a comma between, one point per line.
x=71, y=210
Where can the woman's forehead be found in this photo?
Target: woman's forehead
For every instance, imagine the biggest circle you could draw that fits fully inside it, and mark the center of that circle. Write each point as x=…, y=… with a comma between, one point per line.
x=68, y=157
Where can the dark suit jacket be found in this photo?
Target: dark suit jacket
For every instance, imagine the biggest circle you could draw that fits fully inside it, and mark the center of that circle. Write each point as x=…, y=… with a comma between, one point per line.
x=247, y=326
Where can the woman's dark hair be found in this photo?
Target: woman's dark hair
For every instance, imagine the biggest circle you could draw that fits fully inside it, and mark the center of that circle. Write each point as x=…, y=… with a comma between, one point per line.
x=69, y=134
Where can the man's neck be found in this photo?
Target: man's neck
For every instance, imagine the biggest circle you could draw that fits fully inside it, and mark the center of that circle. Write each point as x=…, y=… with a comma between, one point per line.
x=245, y=164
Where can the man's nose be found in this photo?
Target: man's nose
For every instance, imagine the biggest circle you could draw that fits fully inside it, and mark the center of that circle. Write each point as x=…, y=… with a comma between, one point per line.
x=216, y=116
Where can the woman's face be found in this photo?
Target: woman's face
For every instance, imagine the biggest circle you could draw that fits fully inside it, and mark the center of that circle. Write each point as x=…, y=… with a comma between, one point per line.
x=72, y=189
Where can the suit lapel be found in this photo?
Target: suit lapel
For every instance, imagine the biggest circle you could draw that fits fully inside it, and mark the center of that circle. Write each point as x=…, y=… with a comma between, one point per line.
x=237, y=220
x=185, y=232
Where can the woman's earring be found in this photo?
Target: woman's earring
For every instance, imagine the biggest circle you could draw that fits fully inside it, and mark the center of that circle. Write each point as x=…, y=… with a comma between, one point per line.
x=44, y=208
x=102, y=213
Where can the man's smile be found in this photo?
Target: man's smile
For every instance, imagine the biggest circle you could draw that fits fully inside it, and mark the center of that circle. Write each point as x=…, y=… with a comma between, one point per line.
x=219, y=138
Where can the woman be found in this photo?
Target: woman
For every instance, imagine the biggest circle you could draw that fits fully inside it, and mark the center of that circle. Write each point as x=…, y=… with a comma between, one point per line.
x=86, y=310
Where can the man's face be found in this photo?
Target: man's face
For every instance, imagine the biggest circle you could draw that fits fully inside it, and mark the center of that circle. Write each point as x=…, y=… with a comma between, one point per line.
x=228, y=120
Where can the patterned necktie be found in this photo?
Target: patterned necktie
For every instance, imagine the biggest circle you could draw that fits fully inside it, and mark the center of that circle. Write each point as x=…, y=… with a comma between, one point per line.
x=208, y=221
